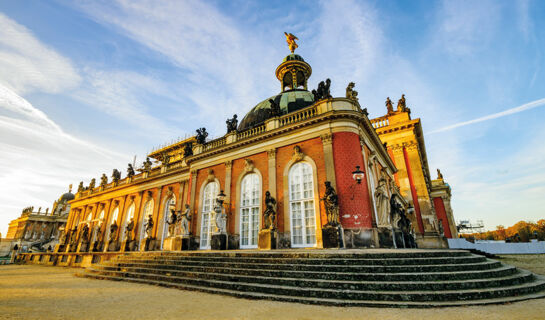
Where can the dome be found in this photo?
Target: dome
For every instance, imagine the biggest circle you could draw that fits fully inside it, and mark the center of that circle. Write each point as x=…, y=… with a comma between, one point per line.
x=289, y=101
x=67, y=197
x=292, y=57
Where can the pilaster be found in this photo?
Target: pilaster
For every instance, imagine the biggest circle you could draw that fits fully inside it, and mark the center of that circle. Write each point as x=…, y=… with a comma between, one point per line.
x=327, y=143
x=271, y=154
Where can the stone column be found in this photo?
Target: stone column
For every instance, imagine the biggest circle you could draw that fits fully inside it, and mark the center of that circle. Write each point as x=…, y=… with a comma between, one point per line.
x=327, y=142
x=192, y=200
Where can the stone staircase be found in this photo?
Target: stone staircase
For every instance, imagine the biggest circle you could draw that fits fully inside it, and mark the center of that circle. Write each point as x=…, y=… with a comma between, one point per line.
x=388, y=278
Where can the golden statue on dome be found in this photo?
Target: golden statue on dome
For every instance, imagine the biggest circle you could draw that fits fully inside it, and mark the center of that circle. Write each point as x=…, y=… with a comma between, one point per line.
x=290, y=39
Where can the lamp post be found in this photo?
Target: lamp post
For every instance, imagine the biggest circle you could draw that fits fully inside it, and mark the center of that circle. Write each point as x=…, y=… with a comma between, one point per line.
x=221, y=197
x=358, y=175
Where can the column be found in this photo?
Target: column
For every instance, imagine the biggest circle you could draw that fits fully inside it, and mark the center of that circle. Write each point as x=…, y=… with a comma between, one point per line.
x=327, y=143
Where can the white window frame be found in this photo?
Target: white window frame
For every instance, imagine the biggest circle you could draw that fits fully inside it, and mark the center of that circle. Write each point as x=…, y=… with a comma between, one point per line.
x=308, y=214
x=209, y=195
x=250, y=183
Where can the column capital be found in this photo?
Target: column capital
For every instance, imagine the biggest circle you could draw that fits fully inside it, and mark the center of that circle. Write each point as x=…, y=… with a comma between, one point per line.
x=327, y=138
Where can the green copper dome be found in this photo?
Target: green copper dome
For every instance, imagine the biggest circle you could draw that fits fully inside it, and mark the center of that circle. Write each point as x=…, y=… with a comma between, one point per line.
x=293, y=56
x=289, y=101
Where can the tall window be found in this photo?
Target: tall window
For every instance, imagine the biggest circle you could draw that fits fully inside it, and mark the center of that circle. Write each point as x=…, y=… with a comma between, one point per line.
x=166, y=216
x=210, y=194
x=249, y=210
x=302, y=212
x=148, y=210
x=128, y=217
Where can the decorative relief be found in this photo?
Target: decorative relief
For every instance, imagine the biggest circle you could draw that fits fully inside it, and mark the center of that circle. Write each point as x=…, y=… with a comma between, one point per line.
x=327, y=138
x=228, y=164
x=169, y=192
x=271, y=153
x=298, y=154
x=211, y=176
x=248, y=165
x=150, y=194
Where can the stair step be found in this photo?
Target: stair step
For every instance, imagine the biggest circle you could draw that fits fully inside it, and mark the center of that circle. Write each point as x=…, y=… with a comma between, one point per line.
x=329, y=301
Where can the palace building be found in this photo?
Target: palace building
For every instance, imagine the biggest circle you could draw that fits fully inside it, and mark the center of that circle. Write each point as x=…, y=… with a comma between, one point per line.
x=302, y=169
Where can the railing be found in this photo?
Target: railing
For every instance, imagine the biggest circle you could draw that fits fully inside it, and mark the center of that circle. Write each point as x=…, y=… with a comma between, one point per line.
x=380, y=122
x=216, y=143
x=251, y=132
x=299, y=116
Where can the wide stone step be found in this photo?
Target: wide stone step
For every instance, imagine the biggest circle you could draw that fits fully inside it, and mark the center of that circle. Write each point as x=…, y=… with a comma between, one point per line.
x=315, y=261
x=323, y=293
x=369, y=284
x=349, y=276
x=488, y=264
x=312, y=253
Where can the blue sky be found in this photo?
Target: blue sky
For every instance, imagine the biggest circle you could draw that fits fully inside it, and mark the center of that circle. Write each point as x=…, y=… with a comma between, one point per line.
x=87, y=85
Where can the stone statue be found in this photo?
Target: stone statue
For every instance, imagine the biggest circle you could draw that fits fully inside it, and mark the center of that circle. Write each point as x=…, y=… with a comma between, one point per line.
x=171, y=221
x=130, y=171
x=275, y=108
x=147, y=165
x=323, y=90
x=185, y=218
x=350, y=92
x=116, y=175
x=382, y=203
x=103, y=180
x=331, y=203
x=149, y=226
x=401, y=105
x=290, y=39
x=365, y=112
x=220, y=218
x=188, y=149
x=80, y=187
x=62, y=237
x=389, y=106
x=166, y=158
x=85, y=233
x=74, y=236
x=201, y=135
x=327, y=94
x=441, y=229
x=92, y=184
x=269, y=216
x=113, y=231
x=128, y=230
x=232, y=124
x=439, y=174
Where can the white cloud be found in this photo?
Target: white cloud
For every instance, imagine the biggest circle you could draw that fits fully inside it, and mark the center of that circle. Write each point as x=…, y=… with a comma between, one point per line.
x=26, y=64
x=39, y=160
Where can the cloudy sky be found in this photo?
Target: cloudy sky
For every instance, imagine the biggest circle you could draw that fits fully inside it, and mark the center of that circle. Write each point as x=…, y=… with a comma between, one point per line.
x=87, y=85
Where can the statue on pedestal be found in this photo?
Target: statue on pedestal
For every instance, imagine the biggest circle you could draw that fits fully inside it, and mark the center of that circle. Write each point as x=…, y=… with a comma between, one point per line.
x=220, y=218
x=128, y=230
x=103, y=180
x=116, y=175
x=389, y=105
x=80, y=187
x=350, y=92
x=201, y=135
x=85, y=233
x=149, y=226
x=232, y=124
x=401, y=104
x=147, y=165
x=382, y=202
x=113, y=232
x=269, y=216
x=331, y=203
x=130, y=171
x=184, y=223
x=92, y=184
x=171, y=221
x=188, y=149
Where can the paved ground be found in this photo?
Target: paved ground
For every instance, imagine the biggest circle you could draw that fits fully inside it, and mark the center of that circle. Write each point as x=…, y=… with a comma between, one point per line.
x=39, y=292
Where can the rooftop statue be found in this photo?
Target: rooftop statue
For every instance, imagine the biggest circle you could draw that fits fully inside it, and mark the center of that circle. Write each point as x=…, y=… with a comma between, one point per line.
x=323, y=90
x=201, y=135
x=188, y=149
x=92, y=184
x=439, y=174
x=232, y=124
x=116, y=175
x=103, y=180
x=389, y=105
x=290, y=39
x=350, y=92
x=147, y=165
x=130, y=171
x=401, y=104
x=80, y=187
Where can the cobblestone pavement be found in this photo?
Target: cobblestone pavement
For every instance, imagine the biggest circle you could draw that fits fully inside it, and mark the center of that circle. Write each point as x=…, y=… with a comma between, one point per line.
x=39, y=292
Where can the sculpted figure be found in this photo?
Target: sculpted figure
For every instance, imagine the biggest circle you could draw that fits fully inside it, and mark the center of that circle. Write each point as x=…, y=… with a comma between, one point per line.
x=232, y=124
x=275, y=108
x=147, y=165
x=116, y=175
x=201, y=135
x=220, y=218
x=103, y=180
x=128, y=230
x=74, y=236
x=130, y=171
x=331, y=203
x=389, y=106
x=171, y=222
x=185, y=218
x=269, y=216
x=290, y=39
x=113, y=231
x=149, y=226
x=327, y=94
x=401, y=105
x=382, y=202
x=80, y=187
x=188, y=149
x=92, y=184
x=85, y=233
x=350, y=92
x=439, y=174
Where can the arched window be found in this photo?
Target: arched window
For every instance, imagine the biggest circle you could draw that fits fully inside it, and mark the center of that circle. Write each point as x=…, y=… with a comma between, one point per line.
x=209, y=196
x=148, y=210
x=166, y=215
x=302, y=212
x=128, y=216
x=250, y=198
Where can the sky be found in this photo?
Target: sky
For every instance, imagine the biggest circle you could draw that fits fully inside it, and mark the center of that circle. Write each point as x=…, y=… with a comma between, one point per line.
x=85, y=86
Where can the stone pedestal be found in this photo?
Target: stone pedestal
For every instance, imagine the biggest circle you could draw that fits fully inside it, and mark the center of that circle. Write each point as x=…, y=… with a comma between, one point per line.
x=267, y=239
x=172, y=244
x=331, y=237
x=129, y=245
x=385, y=238
x=218, y=241
x=149, y=244
x=113, y=246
